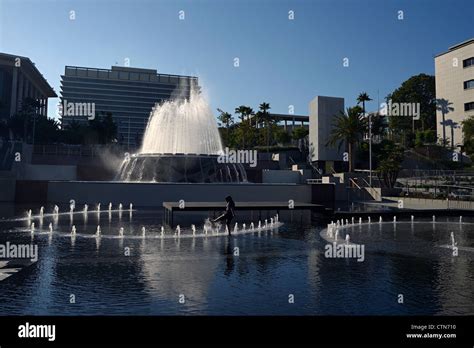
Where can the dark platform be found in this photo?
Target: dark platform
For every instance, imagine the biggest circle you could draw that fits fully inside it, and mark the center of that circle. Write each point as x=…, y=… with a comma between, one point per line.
x=171, y=207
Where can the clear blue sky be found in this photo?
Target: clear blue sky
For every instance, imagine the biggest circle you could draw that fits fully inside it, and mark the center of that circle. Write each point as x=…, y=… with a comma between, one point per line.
x=282, y=62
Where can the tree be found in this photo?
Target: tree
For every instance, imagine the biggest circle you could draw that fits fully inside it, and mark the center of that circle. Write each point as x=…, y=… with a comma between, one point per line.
x=348, y=128
x=265, y=116
x=225, y=119
x=468, y=133
x=390, y=162
x=417, y=89
x=299, y=133
x=362, y=98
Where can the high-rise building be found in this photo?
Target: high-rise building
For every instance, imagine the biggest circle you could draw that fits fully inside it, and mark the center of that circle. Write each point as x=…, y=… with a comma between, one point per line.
x=127, y=93
x=20, y=79
x=454, y=71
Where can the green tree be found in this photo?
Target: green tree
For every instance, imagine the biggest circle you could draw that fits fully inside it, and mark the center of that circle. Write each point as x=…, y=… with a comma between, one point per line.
x=299, y=133
x=362, y=98
x=417, y=89
x=468, y=133
x=348, y=128
x=265, y=116
x=390, y=161
x=225, y=120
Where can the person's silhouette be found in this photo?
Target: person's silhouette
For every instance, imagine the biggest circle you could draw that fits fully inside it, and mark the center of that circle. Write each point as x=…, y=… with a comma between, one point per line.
x=229, y=213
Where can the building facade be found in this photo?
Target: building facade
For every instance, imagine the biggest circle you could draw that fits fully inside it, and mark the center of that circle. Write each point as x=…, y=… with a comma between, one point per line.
x=454, y=71
x=322, y=111
x=19, y=80
x=129, y=94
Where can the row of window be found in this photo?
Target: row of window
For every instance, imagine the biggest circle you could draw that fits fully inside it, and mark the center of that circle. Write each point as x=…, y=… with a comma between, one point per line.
x=469, y=106
x=468, y=84
x=468, y=62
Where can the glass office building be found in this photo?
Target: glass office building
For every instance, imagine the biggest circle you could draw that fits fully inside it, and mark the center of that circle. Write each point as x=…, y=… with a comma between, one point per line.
x=127, y=93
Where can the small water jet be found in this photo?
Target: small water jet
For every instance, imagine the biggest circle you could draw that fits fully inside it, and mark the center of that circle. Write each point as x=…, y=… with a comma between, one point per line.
x=73, y=230
x=97, y=233
x=121, y=232
x=193, y=228
x=41, y=212
x=453, y=242
x=143, y=231
x=32, y=227
x=347, y=239
x=50, y=227
x=162, y=231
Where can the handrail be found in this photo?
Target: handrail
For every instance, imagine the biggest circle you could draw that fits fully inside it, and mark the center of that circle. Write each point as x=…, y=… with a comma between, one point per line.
x=351, y=180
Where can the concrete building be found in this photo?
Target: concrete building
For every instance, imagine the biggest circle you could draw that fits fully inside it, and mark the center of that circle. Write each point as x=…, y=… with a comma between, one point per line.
x=321, y=117
x=127, y=93
x=454, y=71
x=20, y=79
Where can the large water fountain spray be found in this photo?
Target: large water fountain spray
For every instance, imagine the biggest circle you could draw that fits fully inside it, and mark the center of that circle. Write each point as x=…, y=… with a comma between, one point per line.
x=181, y=144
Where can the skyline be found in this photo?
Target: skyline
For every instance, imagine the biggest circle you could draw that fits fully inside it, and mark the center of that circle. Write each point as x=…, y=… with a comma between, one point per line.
x=283, y=62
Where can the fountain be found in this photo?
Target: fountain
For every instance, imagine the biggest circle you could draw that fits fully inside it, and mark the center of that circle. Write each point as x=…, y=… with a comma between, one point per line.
x=453, y=242
x=121, y=232
x=162, y=231
x=50, y=227
x=181, y=144
x=28, y=214
x=56, y=210
x=73, y=230
x=347, y=239
x=32, y=227
x=110, y=207
x=380, y=220
x=97, y=233
x=143, y=231
x=41, y=212
x=193, y=228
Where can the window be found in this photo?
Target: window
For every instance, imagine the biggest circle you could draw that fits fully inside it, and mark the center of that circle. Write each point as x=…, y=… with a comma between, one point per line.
x=468, y=62
x=468, y=84
x=469, y=106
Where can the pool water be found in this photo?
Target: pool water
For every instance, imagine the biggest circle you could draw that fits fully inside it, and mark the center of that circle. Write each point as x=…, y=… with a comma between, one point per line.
x=281, y=271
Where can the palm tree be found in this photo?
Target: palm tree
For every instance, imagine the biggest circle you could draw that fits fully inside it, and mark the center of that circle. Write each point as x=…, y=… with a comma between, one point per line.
x=226, y=119
x=445, y=107
x=241, y=110
x=265, y=116
x=362, y=98
x=349, y=128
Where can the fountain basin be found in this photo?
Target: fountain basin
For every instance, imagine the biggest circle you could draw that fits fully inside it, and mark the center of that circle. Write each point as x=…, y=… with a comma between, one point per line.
x=180, y=168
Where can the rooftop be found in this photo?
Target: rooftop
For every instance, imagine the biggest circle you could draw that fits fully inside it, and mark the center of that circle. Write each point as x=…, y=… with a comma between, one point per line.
x=457, y=46
x=30, y=68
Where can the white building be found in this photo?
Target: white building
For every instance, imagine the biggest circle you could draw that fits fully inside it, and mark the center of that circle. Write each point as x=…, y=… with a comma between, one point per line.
x=322, y=112
x=454, y=71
